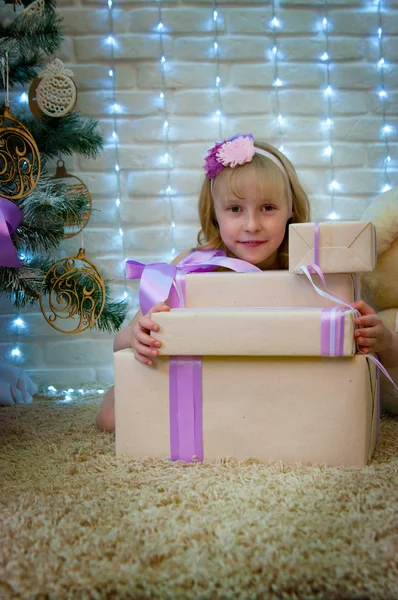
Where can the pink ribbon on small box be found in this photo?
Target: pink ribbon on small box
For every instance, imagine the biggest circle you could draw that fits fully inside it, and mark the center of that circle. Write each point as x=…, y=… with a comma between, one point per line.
x=10, y=217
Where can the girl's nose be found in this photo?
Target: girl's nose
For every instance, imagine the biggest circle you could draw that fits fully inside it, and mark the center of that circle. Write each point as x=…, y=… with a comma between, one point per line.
x=252, y=223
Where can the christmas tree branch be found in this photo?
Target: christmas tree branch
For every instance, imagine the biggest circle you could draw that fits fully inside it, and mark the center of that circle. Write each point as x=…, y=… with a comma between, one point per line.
x=25, y=69
x=23, y=286
x=28, y=34
x=112, y=316
x=49, y=202
x=72, y=134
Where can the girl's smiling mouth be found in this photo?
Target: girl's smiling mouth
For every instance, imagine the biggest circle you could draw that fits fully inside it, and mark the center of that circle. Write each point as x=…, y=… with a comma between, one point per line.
x=253, y=243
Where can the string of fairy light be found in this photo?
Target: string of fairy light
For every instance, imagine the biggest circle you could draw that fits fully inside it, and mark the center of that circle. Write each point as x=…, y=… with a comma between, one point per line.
x=166, y=158
x=115, y=109
x=216, y=54
x=328, y=92
x=275, y=25
x=386, y=128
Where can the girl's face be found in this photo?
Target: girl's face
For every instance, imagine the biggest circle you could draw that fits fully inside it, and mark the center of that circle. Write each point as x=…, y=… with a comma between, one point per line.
x=253, y=225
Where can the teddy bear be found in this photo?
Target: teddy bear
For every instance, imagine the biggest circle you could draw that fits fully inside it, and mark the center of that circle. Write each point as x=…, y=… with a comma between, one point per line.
x=379, y=288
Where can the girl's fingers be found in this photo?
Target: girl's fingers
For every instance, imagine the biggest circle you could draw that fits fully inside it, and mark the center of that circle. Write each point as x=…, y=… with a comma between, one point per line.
x=142, y=359
x=365, y=350
x=146, y=351
x=370, y=332
x=363, y=308
x=146, y=323
x=366, y=342
x=147, y=340
x=159, y=307
x=368, y=320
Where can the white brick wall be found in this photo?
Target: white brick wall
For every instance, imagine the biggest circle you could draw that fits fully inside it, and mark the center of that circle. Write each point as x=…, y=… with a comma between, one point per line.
x=248, y=103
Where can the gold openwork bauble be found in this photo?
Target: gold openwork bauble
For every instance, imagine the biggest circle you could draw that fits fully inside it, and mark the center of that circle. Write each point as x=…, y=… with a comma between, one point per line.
x=53, y=92
x=77, y=294
x=74, y=187
x=19, y=158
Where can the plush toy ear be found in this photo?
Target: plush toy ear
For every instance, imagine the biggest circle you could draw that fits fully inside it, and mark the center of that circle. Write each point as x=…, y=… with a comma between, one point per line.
x=380, y=287
x=383, y=212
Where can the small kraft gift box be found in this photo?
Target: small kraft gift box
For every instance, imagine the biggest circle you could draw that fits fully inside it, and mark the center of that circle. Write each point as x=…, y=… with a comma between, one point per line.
x=336, y=246
x=255, y=364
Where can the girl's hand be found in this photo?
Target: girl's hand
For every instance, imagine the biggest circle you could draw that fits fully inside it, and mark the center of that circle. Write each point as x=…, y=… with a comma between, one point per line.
x=143, y=344
x=372, y=335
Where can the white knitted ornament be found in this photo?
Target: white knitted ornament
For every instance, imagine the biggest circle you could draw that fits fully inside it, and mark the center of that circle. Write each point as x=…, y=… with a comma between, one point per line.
x=56, y=93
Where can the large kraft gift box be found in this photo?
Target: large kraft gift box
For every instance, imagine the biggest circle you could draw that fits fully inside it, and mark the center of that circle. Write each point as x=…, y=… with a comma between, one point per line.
x=309, y=410
x=335, y=246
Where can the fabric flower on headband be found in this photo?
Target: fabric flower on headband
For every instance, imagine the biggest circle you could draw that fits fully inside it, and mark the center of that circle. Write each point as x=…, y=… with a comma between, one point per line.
x=238, y=150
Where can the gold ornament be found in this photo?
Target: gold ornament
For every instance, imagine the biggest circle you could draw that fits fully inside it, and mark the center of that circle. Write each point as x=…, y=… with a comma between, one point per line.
x=53, y=91
x=19, y=158
x=74, y=187
x=64, y=300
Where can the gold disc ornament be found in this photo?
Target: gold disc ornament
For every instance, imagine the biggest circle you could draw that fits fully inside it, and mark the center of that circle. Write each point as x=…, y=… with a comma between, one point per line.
x=76, y=296
x=53, y=92
x=19, y=158
x=74, y=187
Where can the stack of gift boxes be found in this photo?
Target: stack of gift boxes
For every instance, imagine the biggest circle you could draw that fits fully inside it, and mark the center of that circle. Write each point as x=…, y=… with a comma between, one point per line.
x=260, y=364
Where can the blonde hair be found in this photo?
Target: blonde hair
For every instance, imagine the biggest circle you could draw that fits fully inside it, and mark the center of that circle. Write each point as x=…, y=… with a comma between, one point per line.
x=272, y=177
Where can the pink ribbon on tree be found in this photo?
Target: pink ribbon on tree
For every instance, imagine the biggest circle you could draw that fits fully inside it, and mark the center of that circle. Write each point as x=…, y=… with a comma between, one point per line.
x=10, y=217
x=162, y=281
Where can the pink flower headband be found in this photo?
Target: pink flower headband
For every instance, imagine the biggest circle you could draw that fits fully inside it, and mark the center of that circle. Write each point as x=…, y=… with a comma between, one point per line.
x=239, y=150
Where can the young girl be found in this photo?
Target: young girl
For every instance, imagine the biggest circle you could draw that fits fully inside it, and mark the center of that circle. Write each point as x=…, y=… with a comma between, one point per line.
x=250, y=195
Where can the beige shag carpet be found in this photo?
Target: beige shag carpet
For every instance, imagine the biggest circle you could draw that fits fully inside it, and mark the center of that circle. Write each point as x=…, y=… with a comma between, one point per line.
x=76, y=522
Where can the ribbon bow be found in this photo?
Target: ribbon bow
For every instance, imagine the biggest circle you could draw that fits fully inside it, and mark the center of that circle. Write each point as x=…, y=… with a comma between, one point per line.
x=10, y=218
x=161, y=280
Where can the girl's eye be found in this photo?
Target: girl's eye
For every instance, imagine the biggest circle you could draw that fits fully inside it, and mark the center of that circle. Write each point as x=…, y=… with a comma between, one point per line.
x=268, y=207
x=234, y=209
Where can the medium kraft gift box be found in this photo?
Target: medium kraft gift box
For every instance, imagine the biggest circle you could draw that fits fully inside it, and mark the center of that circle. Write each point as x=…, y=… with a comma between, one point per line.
x=296, y=410
x=267, y=288
x=265, y=331
x=335, y=246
